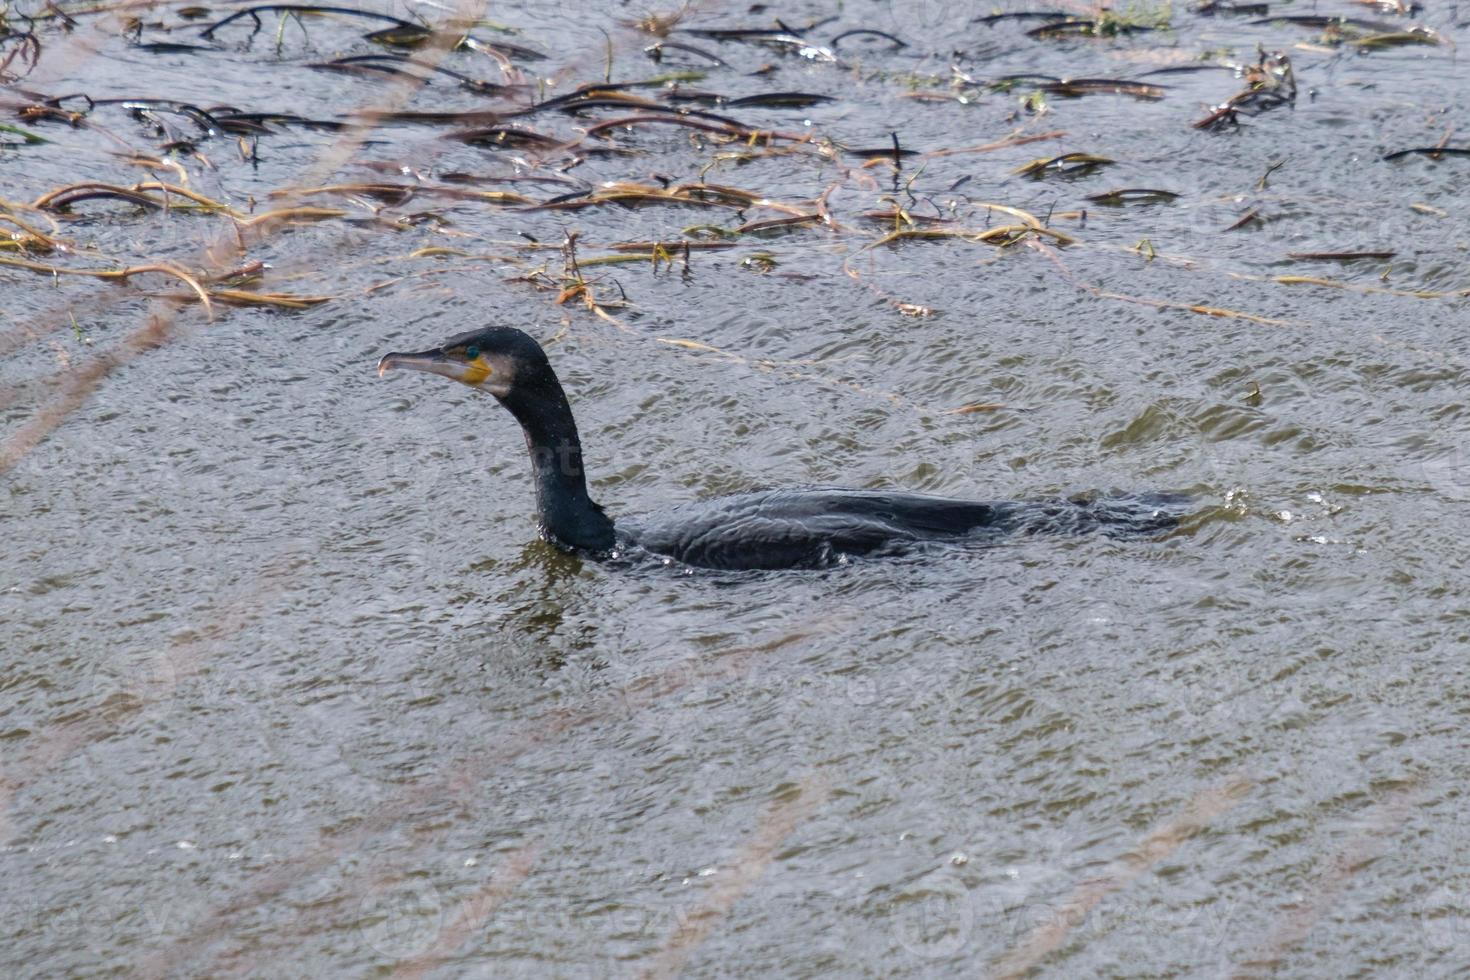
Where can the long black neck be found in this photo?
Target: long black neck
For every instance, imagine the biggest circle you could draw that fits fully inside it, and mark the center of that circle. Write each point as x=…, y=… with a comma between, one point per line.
x=569, y=517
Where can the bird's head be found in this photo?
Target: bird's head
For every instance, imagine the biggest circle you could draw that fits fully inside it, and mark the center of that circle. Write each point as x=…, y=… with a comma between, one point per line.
x=495, y=360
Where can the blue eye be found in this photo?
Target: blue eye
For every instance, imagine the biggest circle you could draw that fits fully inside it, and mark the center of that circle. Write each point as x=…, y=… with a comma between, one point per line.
x=472, y=352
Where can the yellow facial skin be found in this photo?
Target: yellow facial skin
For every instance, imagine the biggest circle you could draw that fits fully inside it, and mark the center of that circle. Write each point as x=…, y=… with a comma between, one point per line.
x=476, y=371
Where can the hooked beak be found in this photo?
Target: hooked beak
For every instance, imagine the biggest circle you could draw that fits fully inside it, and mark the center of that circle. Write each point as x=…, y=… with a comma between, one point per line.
x=430, y=361
x=436, y=362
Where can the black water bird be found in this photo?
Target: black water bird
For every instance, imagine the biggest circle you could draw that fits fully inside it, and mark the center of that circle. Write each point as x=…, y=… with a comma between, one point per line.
x=792, y=528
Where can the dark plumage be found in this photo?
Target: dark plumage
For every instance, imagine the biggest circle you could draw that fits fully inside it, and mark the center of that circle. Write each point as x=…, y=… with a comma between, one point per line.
x=793, y=528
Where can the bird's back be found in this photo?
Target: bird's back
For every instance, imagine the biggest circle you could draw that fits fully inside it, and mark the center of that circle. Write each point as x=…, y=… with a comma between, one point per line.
x=816, y=527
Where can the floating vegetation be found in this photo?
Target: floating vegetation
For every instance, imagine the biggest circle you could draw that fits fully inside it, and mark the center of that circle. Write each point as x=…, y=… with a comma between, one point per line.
x=743, y=33
x=1270, y=84
x=786, y=100
x=390, y=63
x=1137, y=17
x=442, y=139
x=1251, y=217
x=398, y=194
x=20, y=52
x=151, y=193
x=626, y=193
x=1076, y=87
x=1338, y=256
x=1212, y=7
x=1359, y=33
x=1133, y=195
x=512, y=137
x=1432, y=152
x=656, y=52
x=868, y=32
x=782, y=38
x=1025, y=226
x=1357, y=287
x=27, y=138
x=737, y=130
x=398, y=33
x=992, y=19
x=1395, y=39
x=880, y=152
x=299, y=10
x=26, y=237
x=1067, y=164
x=1081, y=27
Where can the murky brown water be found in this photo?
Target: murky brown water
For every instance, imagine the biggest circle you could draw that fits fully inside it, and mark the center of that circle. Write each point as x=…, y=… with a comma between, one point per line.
x=289, y=686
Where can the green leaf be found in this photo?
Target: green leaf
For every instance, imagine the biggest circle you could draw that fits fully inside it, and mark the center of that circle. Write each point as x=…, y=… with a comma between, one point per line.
x=31, y=138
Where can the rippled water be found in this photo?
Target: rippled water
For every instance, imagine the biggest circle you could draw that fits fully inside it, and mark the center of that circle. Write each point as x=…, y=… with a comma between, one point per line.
x=290, y=686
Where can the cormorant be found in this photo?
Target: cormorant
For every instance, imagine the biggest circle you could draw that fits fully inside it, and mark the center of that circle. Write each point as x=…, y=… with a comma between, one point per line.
x=793, y=528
